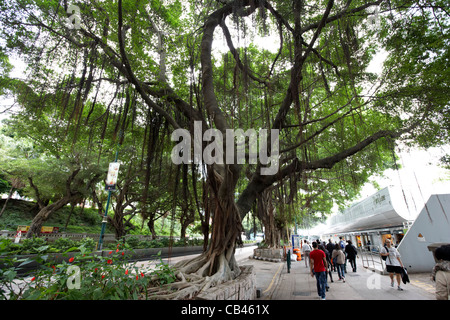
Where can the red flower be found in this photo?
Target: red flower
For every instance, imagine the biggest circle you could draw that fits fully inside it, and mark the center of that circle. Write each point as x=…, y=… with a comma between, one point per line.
x=142, y=275
x=34, y=278
x=137, y=277
x=71, y=259
x=103, y=276
x=96, y=269
x=110, y=252
x=117, y=250
x=109, y=261
x=126, y=272
x=123, y=253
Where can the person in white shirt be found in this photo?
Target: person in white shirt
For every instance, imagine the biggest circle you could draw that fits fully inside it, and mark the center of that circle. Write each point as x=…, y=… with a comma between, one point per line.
x=394, y=264
x=306, y=249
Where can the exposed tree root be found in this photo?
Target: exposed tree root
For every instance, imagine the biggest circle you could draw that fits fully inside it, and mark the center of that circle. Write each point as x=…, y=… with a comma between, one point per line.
x=193, y=278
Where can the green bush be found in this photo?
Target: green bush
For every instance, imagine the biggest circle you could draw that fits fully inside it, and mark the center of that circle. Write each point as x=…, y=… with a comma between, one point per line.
x=33, y=245
x=88, y=243
x=133, y=242
x=64, y=244
x=40, y=245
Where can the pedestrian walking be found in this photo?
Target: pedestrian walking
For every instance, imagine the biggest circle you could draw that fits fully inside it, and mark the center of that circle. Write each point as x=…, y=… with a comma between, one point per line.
x=351, y=253
x=441, y=272
x=330, y=248
x=394, y=264
x=342, y=243
x=318, y=267
x=306, y=249
x=328, y=257
x=338, y=257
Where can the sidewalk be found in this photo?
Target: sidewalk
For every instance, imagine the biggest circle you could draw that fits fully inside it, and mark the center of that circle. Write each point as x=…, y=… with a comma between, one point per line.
x=275, y=283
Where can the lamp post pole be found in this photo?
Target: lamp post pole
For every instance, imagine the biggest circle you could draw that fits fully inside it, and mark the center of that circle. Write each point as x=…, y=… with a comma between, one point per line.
x=105, y=217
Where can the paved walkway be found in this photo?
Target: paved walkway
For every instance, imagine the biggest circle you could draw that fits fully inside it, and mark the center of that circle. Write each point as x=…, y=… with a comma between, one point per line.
x=275, y=283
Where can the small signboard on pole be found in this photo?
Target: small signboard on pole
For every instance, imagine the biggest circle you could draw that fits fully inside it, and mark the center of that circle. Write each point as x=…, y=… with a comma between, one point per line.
x=111, y=179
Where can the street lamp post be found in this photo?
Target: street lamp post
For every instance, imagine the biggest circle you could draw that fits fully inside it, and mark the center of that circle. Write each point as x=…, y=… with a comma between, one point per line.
x=113, y=172
x=104, y=221
x=111, y=181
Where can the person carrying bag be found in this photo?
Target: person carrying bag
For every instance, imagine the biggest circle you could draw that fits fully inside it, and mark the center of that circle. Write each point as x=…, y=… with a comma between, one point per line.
x=394, y=264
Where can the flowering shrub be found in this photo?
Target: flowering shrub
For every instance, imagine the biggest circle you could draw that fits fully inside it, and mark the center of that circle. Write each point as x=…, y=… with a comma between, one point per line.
x=83, y=277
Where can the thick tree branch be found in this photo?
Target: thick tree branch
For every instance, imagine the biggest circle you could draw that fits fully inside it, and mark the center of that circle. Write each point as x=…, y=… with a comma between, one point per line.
x=341, y=14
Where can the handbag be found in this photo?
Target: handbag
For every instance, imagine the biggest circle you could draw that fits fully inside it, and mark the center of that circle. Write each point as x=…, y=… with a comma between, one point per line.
x=405, y=277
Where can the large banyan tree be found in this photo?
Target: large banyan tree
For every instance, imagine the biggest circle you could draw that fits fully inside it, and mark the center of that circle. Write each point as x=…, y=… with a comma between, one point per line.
x=299, y=68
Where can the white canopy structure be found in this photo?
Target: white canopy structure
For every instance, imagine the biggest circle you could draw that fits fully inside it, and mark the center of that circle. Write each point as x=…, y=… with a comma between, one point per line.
x=388, y=207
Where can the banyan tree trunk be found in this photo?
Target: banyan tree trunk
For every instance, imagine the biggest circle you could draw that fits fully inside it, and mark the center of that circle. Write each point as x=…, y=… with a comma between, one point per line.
x=226, y=232
x=217, y=264
x=44, y=213
x=266, y=216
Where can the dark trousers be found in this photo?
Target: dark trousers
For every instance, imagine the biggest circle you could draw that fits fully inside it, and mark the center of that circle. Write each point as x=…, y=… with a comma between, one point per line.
x=353, y=263
x=321, y=279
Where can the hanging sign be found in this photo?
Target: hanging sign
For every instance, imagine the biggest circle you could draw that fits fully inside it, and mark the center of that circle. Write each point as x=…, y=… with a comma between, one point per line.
x=111, y=179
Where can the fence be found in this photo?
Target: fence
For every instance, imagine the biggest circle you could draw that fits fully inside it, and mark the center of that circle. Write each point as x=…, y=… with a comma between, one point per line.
x=78, y=236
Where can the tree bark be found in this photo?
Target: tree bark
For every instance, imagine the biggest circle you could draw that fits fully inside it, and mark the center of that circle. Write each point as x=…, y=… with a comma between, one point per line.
x=44, y=213
x=267, y=217
x=11, y=191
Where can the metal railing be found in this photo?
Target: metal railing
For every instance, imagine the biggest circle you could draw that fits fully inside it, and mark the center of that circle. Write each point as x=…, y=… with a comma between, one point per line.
x=370, y=257
x=78, y=236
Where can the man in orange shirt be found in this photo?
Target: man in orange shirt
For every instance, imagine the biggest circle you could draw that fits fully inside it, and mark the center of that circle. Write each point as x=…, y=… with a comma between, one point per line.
x=318, y=263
